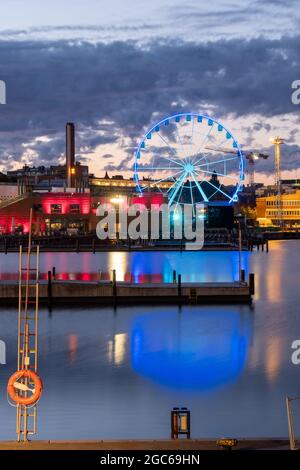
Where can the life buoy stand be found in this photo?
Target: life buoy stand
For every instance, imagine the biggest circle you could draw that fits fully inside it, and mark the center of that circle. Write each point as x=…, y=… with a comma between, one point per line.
x=22, y=393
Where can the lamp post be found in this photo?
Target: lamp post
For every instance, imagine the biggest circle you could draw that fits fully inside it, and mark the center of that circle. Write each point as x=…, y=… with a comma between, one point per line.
x=278, y=142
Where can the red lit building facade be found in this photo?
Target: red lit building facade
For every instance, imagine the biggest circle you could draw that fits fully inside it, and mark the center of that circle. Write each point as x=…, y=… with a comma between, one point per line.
x=64, y=212
x=51, y=212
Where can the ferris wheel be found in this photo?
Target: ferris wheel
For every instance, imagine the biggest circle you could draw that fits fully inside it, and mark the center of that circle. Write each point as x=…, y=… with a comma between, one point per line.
x=190, y=158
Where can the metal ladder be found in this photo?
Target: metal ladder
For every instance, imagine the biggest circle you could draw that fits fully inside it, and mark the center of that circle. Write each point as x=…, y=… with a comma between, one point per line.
x=28, y=334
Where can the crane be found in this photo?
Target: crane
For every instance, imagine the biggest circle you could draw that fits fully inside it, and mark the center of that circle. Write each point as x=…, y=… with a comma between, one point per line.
x=250, y=156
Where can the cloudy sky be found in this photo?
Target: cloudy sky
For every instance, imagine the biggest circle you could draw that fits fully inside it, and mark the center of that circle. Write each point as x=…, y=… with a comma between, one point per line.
x=116, y=67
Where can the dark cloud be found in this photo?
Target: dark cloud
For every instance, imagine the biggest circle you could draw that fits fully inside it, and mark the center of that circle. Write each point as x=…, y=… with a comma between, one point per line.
x=107, y=155
x=293, y=134
x=235, y=17
x=111, y=91
x=234, y=13
x=258, y=126
x=282, y=3
x=110, y=28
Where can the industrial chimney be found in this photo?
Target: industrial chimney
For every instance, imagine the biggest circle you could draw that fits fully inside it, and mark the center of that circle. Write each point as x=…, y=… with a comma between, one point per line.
x=70, y=154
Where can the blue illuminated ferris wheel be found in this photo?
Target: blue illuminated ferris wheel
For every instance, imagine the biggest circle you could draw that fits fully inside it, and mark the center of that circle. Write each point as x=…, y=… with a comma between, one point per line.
x=190, y=159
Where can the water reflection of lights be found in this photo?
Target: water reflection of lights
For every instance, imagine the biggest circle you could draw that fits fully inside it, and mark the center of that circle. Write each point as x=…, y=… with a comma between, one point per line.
x=148, y=267
x=118, y=261
x=197, y=350
x=72, y=347
x=117, y=349
x=269, y=271
x=138, y=267
x=273, y=357
x=274, y=286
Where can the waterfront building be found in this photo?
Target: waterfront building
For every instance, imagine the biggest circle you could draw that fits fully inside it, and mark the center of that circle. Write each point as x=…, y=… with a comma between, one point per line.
x=293, y=183
x=289, y=210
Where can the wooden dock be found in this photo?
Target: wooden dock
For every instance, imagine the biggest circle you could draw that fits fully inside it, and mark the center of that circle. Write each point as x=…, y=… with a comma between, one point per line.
x=58, y=292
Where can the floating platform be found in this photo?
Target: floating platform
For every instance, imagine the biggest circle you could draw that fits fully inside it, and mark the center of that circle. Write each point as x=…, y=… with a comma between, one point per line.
x=105, y=292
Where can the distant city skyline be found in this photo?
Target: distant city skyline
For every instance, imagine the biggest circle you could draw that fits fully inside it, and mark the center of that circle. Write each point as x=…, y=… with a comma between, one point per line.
x=116, y=67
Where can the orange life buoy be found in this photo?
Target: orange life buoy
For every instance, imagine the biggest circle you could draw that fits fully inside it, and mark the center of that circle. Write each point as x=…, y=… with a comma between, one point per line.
x=12, y=387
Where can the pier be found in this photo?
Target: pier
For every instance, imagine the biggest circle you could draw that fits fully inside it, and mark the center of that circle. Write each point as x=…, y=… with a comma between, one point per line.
x=57, y=292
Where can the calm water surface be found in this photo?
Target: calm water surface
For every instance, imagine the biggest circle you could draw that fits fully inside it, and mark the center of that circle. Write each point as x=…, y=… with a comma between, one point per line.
x=118, y=374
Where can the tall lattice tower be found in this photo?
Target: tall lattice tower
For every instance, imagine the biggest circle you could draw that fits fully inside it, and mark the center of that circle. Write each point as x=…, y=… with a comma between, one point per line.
x=278, y=142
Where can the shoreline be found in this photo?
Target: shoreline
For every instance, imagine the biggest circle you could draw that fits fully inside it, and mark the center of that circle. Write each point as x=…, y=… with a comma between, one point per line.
x=135, y=249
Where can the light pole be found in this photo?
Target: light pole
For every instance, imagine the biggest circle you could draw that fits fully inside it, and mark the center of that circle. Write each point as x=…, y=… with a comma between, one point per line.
x=278, y=142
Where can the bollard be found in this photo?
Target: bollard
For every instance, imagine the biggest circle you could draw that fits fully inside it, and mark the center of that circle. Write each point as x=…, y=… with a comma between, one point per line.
x=114, y=286
x=77, y=245
x=49, y=291
x=5, y=246
x=179, y=287
x=267, y=245
x=93, y=246
x=252, y=283
x=180, y=423
x=242, y=276
x=174, y=276
x=53, y=272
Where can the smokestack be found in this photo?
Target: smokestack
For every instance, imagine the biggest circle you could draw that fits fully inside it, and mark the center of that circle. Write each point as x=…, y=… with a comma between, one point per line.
x=70, y=153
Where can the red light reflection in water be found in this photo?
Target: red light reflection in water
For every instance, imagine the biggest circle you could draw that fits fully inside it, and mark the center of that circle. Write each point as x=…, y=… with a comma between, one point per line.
x=88, y=277
x=72, y=347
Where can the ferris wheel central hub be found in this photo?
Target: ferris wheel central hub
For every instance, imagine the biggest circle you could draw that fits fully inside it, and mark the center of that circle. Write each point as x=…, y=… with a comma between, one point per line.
x=189, y=168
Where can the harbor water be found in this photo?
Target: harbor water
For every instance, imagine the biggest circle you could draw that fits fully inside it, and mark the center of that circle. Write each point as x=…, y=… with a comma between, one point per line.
x=112, y=374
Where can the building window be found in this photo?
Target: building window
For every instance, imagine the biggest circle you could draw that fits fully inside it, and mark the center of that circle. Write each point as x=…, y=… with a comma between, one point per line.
x=74, y=209
x=56, y=209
